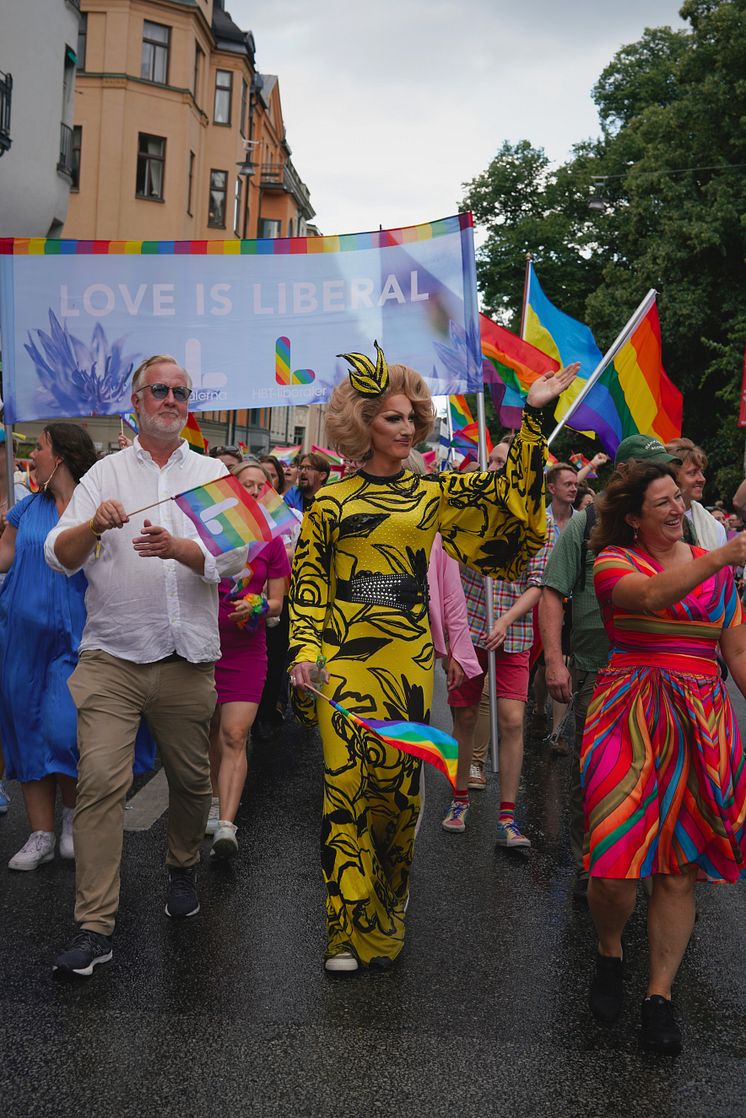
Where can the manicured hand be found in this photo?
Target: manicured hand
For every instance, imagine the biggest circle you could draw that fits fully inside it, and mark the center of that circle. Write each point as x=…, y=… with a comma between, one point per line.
x=549, y=387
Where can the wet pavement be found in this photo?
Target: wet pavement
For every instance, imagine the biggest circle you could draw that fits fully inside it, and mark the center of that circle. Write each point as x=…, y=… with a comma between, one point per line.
x=232, y=1013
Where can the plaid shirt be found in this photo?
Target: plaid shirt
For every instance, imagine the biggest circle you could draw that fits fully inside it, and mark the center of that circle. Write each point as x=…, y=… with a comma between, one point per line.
x=520, y=635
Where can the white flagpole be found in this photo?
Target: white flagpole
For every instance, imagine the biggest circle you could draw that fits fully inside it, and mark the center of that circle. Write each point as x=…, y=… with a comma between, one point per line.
x=488, y=594
x=606, y=360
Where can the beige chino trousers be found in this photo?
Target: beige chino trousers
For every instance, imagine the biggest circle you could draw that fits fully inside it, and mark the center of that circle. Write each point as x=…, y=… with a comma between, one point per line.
x=177, y=700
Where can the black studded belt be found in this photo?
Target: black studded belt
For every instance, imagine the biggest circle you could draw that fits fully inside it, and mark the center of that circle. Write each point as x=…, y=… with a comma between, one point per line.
x=395, y=591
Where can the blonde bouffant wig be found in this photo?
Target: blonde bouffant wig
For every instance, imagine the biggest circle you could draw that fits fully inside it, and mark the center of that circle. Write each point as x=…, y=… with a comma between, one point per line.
x=349, y=415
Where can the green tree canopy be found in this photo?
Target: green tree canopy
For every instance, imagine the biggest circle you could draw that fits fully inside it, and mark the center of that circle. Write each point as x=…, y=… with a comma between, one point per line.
x=670, y=162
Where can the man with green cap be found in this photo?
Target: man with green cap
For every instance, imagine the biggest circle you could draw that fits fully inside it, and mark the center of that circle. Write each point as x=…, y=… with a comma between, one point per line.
x=569, y=574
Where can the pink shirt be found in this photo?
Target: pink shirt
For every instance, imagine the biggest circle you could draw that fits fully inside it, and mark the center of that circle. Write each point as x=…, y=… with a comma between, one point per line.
x=448, y=617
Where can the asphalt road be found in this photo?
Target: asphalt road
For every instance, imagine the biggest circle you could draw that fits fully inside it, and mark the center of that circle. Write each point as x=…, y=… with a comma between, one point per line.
x=232, y=1013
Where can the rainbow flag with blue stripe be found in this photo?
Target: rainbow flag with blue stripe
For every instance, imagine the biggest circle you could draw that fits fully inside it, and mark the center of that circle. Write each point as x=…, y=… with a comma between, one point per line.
x=632, y=396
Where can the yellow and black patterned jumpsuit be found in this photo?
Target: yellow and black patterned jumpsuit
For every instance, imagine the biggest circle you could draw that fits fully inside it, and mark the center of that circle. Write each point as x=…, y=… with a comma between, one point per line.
x=358, y=598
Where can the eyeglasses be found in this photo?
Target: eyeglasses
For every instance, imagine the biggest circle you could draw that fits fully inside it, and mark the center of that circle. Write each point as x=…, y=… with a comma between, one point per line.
x=161, y=391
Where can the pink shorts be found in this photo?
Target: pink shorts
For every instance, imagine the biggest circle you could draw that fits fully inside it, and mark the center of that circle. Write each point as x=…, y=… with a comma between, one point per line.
x=511, y=671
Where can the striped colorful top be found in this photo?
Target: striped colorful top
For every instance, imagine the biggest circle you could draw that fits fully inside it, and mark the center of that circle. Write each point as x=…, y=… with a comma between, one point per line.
x=682, y=637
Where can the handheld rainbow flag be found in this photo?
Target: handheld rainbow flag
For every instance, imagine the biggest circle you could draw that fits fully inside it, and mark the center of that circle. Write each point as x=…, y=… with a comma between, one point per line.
x=280, y=517
x=426, y=742
x=130, y=419
x=225, y=515
x=579, y=461
x=286, y=454
x=632, y=396
x=192, y=432
x=510, y=366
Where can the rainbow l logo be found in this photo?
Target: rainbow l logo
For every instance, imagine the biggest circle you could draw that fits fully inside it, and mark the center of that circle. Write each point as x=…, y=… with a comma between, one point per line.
x=282, y=366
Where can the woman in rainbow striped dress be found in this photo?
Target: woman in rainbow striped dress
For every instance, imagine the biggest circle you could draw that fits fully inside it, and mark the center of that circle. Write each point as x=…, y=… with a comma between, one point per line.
x=662, y=764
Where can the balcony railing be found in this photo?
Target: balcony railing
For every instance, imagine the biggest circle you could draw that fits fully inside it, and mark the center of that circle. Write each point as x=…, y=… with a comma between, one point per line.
x=65, y=164
x=6, y=95
x=283, y=176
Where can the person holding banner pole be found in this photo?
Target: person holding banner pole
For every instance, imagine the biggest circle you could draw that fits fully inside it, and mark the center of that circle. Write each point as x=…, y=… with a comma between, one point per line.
x=148, y=650
x=359, y=626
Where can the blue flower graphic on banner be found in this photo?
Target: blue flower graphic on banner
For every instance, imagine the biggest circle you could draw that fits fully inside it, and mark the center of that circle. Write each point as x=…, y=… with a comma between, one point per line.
x=463, y=358
x=79, y=379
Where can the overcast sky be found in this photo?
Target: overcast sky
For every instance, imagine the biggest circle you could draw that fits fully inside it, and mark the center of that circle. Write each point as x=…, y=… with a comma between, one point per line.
x=391, y=105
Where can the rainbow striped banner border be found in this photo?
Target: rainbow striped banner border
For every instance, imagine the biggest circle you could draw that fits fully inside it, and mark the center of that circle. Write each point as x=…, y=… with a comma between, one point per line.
x=280, y=246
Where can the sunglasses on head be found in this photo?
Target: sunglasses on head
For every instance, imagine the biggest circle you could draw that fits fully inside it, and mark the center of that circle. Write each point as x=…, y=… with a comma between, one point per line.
x=161, y=391
x=226, y=450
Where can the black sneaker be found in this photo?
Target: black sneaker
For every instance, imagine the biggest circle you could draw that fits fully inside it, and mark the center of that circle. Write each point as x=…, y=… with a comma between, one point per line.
x=182, y=892
x=659, y=1032
x=606, y=995
x=84, y=952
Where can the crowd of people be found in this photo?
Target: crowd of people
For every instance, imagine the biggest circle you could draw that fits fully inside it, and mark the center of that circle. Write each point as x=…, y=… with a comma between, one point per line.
x=121, y=633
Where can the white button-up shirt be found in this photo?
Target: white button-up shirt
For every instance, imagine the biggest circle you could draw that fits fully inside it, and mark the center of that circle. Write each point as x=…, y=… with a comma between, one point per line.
x=145, y=609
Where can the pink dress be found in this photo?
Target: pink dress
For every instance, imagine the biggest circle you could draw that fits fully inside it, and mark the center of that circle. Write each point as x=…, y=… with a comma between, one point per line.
x=242, y=668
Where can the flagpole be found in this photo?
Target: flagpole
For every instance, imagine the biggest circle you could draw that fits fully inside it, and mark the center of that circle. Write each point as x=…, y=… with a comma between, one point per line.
x=449, y=422
x=524, y=308
x=488, y=593
x=606, y=360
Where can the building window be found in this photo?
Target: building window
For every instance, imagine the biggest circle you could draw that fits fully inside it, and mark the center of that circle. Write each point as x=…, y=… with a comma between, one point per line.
x=190, y=183
x=82, y=40
x=270, y=228
x=223, y=91
x=218, y=192
x=151, y=166
x=199, y=58
x=75, y=167
x=154, y=61
x=243, y=120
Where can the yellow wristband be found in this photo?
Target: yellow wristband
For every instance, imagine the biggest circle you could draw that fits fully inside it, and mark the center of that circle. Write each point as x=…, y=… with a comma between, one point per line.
x=90, y=525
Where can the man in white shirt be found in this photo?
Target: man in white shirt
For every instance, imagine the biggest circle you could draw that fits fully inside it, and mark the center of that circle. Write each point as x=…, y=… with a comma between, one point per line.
x=148, y=650
x=701, y=527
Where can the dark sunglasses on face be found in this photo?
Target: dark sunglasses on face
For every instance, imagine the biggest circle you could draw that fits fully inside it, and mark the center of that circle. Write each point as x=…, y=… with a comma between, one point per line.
x=161, y=391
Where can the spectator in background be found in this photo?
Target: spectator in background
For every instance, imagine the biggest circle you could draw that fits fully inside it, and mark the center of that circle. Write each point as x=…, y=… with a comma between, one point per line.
x=231, y=455
x=584, y=497
x=700, y=526
x=273, y=466
x=562, y=487
x=312, y=474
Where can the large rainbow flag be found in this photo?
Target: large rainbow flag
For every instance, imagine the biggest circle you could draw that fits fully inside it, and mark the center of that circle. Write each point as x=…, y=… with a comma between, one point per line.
x=632, y=396
x=510, y=366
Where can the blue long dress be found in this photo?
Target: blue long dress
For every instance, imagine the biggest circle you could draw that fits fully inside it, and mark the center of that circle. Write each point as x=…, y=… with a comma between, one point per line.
x=42, y=614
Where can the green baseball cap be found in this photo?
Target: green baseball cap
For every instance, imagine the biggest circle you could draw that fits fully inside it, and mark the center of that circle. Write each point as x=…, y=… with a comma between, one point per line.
x=643, y=449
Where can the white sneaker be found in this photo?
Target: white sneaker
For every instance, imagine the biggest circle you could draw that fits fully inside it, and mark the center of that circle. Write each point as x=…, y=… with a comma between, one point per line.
x=225, y=843
x=214, y=817
x=67, y=849
x=39, y=848
x=477, y=779
x=343, y=963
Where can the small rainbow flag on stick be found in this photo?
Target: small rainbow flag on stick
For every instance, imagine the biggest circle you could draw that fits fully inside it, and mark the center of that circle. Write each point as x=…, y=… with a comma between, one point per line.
x=225, y=515
x=426, y=742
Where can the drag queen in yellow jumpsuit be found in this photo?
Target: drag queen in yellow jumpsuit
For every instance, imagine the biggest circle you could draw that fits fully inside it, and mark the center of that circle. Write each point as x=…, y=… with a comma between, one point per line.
x=358, y=599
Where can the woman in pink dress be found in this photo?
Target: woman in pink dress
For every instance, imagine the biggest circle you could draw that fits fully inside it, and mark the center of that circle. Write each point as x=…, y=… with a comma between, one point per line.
x=241, y=670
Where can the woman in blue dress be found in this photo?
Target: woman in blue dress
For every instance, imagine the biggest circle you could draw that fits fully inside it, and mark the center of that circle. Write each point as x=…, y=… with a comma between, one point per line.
x=42, y=614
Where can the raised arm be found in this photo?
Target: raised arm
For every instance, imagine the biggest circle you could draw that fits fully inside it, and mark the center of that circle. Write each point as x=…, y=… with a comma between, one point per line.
x=643, y=593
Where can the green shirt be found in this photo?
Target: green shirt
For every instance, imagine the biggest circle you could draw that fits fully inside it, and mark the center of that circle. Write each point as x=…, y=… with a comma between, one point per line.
x=590, y=645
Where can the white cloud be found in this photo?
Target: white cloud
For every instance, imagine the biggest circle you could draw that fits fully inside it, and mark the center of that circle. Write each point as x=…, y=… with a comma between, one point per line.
x=390, y=107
